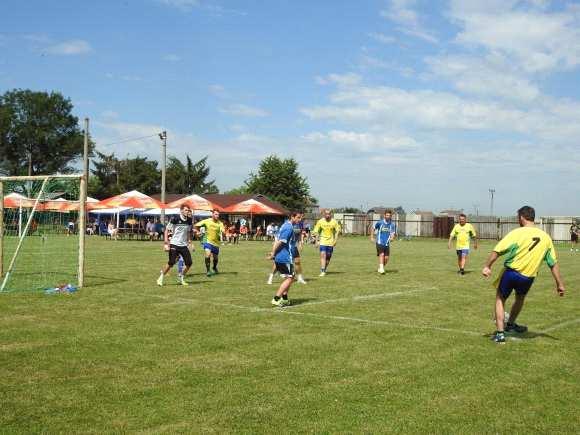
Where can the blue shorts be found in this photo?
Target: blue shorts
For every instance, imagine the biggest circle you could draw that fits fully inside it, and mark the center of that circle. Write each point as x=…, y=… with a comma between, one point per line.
x=211, y=248
x=327, y=249
x=462, y=252
x=512, y=280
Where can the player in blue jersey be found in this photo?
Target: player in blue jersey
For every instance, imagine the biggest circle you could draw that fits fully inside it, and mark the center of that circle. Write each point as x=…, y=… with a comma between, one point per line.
x=385, y=231
x=299, y=236
x=283, y=259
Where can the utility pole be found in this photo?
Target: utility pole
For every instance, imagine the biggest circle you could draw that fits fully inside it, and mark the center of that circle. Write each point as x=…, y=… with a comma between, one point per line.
x=82, y=206
x=163, y=137
x=491, y=193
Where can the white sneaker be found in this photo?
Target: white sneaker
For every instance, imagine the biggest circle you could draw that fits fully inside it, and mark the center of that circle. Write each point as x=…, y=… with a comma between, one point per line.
x=301, y=280
x=322, y=274
x=181, y=280
x=160, y=281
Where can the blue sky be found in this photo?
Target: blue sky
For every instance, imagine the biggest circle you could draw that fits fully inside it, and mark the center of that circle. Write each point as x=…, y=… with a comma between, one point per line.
x=425, y=104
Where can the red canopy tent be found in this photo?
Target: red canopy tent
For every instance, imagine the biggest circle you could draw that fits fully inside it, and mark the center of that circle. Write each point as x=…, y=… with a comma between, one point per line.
x=132, y=199
x=16, y=200
x=194, y=202
x=252, y=207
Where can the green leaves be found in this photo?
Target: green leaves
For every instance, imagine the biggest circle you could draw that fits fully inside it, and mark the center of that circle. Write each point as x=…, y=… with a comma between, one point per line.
x=280, y=180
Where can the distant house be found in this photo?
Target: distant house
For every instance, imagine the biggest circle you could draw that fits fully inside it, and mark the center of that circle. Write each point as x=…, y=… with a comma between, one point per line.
x=451, y=212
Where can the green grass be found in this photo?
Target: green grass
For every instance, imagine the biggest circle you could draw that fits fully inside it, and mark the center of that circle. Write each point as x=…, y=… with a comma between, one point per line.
x=123, y=355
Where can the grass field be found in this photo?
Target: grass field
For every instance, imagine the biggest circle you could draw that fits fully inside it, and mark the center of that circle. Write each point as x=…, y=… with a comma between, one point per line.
x=406, y=352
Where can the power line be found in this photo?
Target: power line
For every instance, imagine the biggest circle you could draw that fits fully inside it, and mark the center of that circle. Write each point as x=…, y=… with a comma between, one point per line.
x=130, y=140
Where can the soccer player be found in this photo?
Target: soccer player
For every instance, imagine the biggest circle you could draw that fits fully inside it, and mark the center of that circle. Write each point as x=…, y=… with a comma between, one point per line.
x=525, y=249
x=282, y=256
x=462, y=232
x=327, y=230
x=386, y=231
x=298, y=236
x=180, y=227
x=213, y=235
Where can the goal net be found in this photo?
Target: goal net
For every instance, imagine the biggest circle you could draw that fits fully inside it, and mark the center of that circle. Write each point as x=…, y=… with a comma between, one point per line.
x=39, y=232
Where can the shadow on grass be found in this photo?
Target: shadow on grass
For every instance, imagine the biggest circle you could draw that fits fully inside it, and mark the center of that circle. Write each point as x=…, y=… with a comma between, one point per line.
x=387, y=271
x=99, y=281
x=334, y=272
x=300, y=301
x=530, y=335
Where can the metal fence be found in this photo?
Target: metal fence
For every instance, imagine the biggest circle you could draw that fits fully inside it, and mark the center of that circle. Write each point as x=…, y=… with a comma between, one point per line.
x=428, y=225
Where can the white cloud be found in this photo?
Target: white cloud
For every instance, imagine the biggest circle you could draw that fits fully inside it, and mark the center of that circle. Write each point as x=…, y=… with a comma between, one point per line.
x=537, y=39
x=73, y=47
x=181, y=4
x=362, y=141
x=218, y=90
x=367, y=61
x=483, y=77
x=343, y=80
x=244, y=110
x=402, y=13
x=171, y=58
x=382, y=38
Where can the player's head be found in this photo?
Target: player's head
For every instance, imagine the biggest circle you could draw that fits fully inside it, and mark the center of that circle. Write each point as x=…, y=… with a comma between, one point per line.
x=462, y=219
x=185, y=210
x=328, y=214
x=295, y=217
x=215, y=214
x=526, y=214
x=388, y=214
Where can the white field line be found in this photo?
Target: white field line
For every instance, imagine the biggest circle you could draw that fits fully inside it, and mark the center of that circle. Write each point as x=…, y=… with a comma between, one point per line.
x=321, y=316
x=362, y=297
x=561, y=325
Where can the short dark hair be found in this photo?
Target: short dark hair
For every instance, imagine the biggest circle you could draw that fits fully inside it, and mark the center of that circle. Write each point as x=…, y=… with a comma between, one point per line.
x=214, y=210
x=295, y=213
x=528, y=213
x=182, y=206
x=388, y=211
x=463, y=215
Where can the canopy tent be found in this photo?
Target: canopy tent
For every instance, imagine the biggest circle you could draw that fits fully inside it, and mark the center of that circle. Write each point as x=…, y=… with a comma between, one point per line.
x=252, y=207
x=194, y=202
x=16, y=200
x=62, y=205
x=175, y=211
x=132, y=199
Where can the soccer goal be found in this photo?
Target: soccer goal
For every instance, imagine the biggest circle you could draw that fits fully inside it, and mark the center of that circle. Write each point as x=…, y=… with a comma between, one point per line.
x=42, y=231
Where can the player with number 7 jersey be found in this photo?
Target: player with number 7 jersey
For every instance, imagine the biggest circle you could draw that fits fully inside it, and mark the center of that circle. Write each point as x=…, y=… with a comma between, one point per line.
x=525, y=249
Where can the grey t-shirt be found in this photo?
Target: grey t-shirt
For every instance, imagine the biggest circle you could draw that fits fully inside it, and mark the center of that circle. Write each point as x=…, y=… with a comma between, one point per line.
x=180, y=229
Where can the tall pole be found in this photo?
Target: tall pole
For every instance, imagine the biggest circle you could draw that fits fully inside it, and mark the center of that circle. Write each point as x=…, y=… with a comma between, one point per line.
x=1, y=229
x=82, y=206
x=163, y=137
x=491, y=192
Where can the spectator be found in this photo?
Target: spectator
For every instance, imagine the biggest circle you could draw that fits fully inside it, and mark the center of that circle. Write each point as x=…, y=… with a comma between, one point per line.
x=150, y=230
x=112, y=231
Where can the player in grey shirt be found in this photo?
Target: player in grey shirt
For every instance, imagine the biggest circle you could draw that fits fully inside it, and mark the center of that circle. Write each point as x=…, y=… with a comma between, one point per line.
x=180, y=227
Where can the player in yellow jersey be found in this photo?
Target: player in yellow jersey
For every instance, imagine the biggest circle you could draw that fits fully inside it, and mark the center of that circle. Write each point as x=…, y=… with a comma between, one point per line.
x=213, y=235
x=462, y=232
x=327, y=230
x=525, y=249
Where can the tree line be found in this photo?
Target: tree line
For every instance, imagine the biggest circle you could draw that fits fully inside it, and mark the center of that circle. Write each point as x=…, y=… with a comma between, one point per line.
x=40, y=135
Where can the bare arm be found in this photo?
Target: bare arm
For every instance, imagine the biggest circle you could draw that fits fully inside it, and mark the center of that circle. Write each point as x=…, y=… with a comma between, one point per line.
x=449, y=242
x=558, y=278
x=490, y=260
x=275, y=248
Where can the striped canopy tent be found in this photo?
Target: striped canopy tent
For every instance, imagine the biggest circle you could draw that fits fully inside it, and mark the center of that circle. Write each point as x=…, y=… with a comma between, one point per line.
x=194, y=202
x=16, y=200
x=252, y=207
x=64, y=206
x=132, y=199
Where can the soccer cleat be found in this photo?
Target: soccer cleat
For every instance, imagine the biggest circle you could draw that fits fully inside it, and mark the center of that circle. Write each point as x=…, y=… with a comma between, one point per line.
x=215, y=271
x=322, y=274
x=278, y=303
x=285, y=302
x=498, y=337
x=181, y=280
x=269, y=282
x=208, y=274
x=160, y=281
x=301, y=280
x=520, y=329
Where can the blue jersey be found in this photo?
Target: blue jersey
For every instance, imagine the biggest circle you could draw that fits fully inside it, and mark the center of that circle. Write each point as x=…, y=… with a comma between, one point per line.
x=384, y=229
x=288, y=239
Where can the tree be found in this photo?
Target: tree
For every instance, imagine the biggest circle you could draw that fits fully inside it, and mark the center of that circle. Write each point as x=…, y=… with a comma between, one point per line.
x=189, y=177
x=280, y=180
x=112, y=176
x=38, y=133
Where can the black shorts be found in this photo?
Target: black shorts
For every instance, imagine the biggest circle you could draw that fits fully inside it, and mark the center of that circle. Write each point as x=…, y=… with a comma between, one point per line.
x=382, y=249
x=176, y=251
x=574, y=237
x=285, y=270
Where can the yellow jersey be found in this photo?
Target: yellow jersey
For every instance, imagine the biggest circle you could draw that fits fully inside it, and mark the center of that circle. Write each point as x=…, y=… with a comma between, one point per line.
x=213, y=230
x=525, y=249
x=463, y=235
x=328, y=231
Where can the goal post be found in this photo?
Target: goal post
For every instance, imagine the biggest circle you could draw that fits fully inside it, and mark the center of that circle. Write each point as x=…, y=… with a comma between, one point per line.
x=42, y=231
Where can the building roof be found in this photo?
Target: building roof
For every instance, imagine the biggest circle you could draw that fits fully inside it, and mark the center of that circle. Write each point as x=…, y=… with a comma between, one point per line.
x=223, y=200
